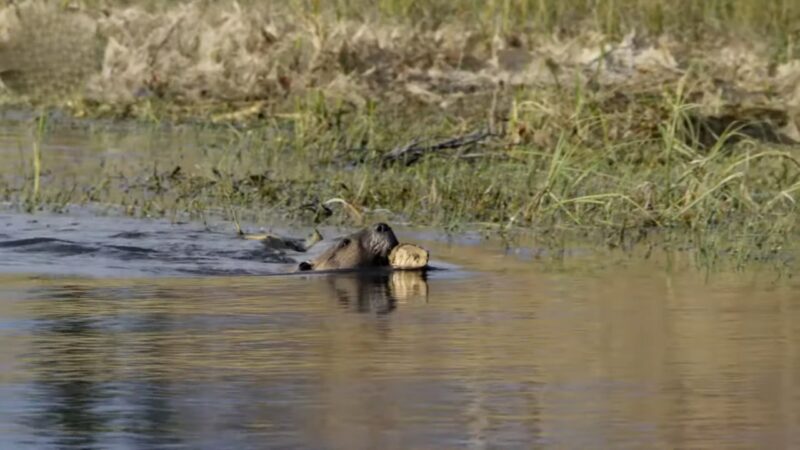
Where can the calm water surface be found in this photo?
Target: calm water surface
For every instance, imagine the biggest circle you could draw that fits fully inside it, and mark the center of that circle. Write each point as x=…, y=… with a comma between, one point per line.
x=492, y=352
x=124, y=333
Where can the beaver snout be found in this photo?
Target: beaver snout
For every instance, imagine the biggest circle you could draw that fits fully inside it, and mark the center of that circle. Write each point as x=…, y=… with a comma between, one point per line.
x=382, y=228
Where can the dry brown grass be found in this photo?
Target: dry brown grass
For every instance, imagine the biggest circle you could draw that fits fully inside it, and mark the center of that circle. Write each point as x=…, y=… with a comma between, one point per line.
x=249, y=59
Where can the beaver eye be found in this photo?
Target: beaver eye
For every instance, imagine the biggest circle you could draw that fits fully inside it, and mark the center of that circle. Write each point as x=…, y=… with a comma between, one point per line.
x=344, y=243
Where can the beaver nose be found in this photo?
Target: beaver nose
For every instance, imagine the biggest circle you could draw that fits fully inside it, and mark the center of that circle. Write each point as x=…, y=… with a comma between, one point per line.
x=382, y=228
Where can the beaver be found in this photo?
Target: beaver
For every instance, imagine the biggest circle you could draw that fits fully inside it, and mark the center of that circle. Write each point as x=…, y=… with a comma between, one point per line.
x=367, y=248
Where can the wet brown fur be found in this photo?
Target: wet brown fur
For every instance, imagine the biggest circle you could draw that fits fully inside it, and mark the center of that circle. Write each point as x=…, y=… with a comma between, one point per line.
x=369, y=247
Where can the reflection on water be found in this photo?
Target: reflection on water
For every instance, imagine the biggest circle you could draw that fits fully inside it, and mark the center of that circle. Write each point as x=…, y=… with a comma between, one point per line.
x=506, y=355
x=378, y=292
x=572, y=361
x=69, y=391
x=103, y=364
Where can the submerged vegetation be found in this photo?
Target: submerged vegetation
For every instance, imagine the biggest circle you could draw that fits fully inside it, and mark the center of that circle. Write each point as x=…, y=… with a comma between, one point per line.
x=670, y=123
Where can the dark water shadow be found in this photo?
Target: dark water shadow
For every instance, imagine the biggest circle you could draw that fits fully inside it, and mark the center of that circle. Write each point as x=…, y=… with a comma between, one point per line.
x=119, y=246
x=124, y=247
x=77, y=399
x=48, y=245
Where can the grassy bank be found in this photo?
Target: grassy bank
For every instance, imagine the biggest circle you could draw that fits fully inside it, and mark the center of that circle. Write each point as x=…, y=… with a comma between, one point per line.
x=508, y=115
x=324, y=166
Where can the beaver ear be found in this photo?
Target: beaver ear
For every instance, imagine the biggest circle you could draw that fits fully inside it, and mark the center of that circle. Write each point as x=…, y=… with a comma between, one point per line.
x=304, y=266
x=344, y=243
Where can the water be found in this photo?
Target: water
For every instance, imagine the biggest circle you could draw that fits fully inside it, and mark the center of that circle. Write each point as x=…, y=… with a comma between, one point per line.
x=86, y=245
x=125, y=333
x=492, y=352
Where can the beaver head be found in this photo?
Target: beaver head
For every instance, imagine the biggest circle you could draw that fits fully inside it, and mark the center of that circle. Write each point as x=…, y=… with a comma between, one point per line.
x=369, y=247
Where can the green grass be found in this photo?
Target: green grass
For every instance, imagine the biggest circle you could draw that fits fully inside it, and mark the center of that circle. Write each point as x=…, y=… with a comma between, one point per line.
x=325, y=166
x=611, y=165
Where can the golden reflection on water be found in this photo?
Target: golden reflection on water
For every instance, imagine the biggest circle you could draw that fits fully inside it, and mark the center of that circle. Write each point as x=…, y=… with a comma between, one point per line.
x=622, y=355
